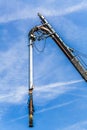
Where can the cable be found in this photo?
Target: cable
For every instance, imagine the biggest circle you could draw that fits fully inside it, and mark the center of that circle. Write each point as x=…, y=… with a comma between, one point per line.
x=82, y=54
x=42, y=50
x=82, y=61
x=80, y=58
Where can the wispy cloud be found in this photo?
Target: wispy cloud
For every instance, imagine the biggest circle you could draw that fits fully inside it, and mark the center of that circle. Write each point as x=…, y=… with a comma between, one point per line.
x=13, y=64
x=58, y=84
x=46, y=109
x=13, y=73
x=17, y=95
x=81, y=125
x=29, y=11
x=55, y=107
x=19, y=118
x=74, y=8
x=51, y=91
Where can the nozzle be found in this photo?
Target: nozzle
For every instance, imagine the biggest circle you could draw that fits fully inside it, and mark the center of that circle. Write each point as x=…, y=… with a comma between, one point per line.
x=30, y=106
x=30, y=120
x=39, y=14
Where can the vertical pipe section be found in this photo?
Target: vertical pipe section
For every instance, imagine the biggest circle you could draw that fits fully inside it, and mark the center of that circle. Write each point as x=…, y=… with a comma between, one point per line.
x=31, y=64
x=31, y=84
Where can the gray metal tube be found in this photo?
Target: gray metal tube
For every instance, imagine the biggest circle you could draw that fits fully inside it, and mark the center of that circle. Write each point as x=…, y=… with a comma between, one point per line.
x=31, y=64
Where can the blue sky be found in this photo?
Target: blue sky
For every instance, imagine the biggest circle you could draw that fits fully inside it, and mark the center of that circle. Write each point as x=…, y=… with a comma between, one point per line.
x=60, y=94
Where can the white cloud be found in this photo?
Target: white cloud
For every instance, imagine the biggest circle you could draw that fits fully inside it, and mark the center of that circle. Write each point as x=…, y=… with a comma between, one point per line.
x=17, y=95
x=58, y=84
x=49, y=92
x=81, y=125
x=13, y=64
x=56, y=106
x=13, y=73
x=46, y=109
x=24, y=11
x=74, y=8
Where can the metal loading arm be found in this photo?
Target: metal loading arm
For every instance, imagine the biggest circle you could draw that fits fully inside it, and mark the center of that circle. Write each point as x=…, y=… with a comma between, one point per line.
x=47, y=28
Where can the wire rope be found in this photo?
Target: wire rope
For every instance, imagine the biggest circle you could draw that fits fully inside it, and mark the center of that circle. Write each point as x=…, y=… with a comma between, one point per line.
x=42, y=50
